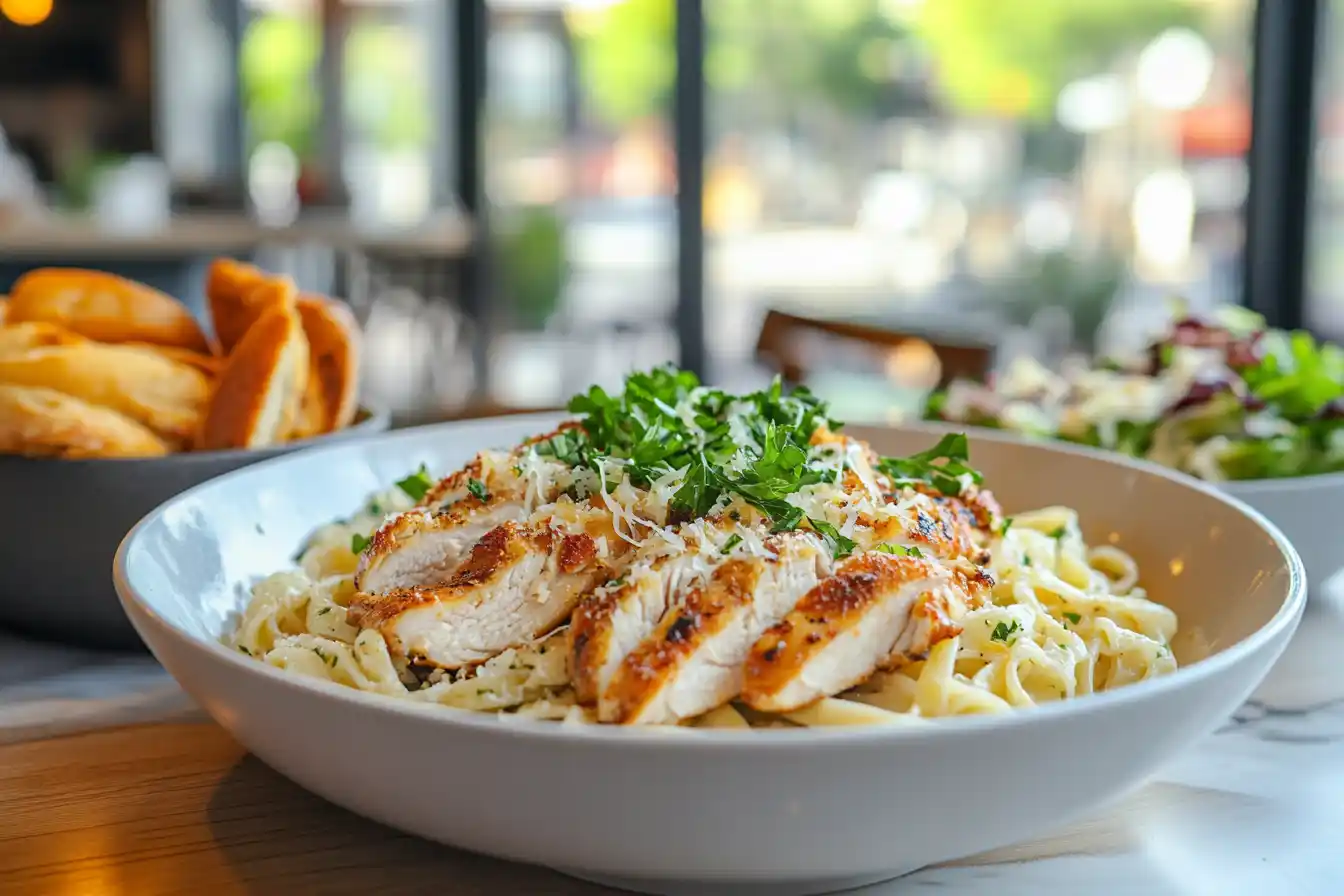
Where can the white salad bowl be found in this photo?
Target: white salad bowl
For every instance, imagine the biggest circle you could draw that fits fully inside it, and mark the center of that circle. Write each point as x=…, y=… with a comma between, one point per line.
x=1310, y=512
x=683, y=810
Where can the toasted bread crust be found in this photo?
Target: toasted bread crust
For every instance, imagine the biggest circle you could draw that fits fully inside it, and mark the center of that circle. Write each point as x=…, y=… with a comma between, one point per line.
x=19, y=338
x=167, y=397
x=4, y=309
x=45, y=423
x=239, y=295
x=210, y=365
x=104, y=307
x=258, y=394
x=329, y=401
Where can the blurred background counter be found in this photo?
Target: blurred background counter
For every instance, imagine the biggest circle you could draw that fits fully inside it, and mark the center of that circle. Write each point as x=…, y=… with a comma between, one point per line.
x=494, y=184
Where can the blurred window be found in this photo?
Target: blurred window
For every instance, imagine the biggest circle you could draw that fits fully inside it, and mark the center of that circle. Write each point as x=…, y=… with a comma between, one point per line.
x=889, y=159
x=1325, y=270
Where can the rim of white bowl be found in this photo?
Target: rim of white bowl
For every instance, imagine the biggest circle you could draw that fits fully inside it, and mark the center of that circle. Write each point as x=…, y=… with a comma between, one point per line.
x=653, y=737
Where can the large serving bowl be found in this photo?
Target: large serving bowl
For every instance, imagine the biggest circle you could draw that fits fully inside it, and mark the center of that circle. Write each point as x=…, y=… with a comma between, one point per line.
x=1310, y=511
x=61, y=522
x=679, y=810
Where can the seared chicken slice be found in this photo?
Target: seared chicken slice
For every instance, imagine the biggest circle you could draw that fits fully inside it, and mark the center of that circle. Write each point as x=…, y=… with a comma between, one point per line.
x=935, y=527
x=612, y=621
x=422, y=548
x=692, y=662
x=518, y=584
x=975, y=507
x=877, y=610
x=425, y=546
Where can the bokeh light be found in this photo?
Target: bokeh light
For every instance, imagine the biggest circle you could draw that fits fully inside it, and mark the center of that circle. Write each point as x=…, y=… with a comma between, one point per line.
x=26, y=12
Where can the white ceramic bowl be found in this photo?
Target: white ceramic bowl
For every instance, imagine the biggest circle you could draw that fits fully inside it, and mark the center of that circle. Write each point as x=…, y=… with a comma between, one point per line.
x=1310, y=512
x=788, y=811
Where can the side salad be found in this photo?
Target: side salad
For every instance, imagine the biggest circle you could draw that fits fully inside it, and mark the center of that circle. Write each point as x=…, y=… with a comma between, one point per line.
x=1222, y=397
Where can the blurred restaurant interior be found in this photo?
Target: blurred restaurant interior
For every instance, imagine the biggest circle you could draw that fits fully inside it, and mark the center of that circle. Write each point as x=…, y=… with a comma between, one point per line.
x=520, y=197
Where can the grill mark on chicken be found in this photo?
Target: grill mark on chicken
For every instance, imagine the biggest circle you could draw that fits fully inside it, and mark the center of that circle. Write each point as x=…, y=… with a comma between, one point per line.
x=607, y=624
x=877, y=610
x=517, y=584
x=937, y=530
x=612, y=621
x=702, y=614
x=421, y=548
x=975, y=507
x=692, y=662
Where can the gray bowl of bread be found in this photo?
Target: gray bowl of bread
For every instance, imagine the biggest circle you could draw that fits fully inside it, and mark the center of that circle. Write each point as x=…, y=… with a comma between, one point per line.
x=114, y=399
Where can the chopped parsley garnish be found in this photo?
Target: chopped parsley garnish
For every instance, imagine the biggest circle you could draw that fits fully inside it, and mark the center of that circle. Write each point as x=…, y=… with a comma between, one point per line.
x=1003, y=631
x=841, y=546
x=1073, y=617
x=416, y=485
x=358, y=543
x=900, y=550
x=324, y=611
x=477, y=488
x=1059, y=533
x=733, y=541
x=757, y=446
x=943, y=466
x=1005, y=526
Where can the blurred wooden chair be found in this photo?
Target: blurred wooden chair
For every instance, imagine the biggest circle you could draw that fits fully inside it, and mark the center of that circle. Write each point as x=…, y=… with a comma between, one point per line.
x=796, y=346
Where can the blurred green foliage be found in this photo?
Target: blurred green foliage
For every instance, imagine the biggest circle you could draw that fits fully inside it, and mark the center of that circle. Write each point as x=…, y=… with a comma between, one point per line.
x=992, y=53
x=387, y=83
x=842, y=52
x=1006, y=56
x=531, y=262
x=277, y=63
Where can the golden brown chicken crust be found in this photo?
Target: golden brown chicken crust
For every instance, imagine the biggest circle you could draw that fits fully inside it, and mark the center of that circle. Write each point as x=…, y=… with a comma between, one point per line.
x=589, y=638
x=829, y=611
x=975, y=506
x=591, y=626
x=703, y=613
x=143, y=384
x=258, y=394
x=455, y=482
x=496, y=552
x=105, y=307
x=40, y=422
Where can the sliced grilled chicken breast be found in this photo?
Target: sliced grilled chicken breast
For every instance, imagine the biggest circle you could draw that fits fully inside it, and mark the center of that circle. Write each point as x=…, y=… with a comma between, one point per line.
x=975, y=507
x=612, y=621
x=518, y=583
x=692, y=662
x=425, y=546
x=876, y=608
x=936, y=528
x=422, y=548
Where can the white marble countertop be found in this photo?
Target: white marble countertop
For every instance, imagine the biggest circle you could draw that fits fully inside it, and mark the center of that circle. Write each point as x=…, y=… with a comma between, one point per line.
x=1257, y=808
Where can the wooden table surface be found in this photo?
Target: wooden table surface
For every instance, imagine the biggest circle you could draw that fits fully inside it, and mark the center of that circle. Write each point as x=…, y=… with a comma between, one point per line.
x=182, y=809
